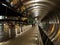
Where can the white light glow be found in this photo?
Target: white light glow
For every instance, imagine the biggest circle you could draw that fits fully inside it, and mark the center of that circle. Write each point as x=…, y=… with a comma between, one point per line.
x=32, y=1
x=36, y=12
x=36, y=38
x=4, y=24
x=4, y=4
x=0, y=17
x=38, y=0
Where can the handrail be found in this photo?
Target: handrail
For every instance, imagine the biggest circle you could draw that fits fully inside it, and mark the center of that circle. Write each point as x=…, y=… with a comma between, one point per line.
x=45, y=38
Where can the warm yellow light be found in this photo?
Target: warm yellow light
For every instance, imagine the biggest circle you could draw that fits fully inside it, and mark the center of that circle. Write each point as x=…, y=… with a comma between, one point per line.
x=24, y=18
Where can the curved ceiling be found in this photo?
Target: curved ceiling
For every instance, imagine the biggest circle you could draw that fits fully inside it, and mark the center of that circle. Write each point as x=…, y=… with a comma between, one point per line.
x=46, y=11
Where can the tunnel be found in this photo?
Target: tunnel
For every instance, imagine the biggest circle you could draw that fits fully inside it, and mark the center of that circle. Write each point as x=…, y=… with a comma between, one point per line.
x=45, y=12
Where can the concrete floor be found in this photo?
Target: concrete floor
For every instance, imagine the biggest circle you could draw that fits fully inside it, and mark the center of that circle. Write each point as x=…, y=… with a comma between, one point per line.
x=30, y=37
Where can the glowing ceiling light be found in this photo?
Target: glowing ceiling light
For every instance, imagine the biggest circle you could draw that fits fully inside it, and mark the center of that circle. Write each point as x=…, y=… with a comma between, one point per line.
x=4, y=4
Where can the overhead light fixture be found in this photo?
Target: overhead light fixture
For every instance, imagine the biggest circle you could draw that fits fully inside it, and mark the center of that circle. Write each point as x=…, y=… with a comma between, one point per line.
x=4, y=4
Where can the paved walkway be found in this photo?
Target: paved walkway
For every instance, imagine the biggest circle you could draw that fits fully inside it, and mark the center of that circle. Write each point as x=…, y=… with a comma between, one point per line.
x=31, y=37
